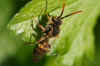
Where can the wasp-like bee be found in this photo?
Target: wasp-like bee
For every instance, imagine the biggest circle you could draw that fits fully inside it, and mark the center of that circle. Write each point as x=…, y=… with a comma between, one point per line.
x=52, y=29
x=41, y=49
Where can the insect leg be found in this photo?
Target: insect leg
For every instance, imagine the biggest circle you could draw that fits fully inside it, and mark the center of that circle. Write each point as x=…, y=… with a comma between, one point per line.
x=50, y=32
x=48, y=17
x=41, y=39
x=41, y=27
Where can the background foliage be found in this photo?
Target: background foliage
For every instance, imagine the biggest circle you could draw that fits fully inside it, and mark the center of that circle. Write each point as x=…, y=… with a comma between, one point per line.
x=79, y=33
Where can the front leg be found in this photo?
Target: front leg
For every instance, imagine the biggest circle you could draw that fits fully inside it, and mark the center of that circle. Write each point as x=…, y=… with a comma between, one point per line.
x=50, y=19
x=41, y=27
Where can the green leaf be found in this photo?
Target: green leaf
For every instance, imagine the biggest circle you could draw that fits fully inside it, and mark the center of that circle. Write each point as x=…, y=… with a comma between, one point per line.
x=21, y=23
x=76, y=40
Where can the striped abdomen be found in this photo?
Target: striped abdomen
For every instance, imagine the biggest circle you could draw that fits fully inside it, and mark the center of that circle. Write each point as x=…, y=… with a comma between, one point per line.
x=40, y=51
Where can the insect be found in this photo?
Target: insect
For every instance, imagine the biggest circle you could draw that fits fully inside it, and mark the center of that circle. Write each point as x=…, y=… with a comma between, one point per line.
x=41, y=49
x=52, y=29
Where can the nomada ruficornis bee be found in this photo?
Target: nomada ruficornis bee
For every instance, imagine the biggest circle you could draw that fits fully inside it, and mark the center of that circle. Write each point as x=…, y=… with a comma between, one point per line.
x=52, y=29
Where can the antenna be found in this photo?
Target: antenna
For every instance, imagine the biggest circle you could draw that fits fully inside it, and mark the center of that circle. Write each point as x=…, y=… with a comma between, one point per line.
x=71, y=14
x=62, y=10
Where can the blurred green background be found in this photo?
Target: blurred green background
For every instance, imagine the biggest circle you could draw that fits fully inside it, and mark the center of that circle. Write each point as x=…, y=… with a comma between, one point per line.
x=9, y=44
